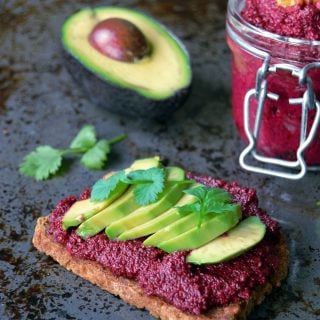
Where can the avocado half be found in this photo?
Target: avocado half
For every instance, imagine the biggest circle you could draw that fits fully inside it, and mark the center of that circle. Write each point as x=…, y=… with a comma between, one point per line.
x=151, y=88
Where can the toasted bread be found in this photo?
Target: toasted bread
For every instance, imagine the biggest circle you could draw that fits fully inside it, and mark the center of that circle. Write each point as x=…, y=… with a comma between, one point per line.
x=132, y=293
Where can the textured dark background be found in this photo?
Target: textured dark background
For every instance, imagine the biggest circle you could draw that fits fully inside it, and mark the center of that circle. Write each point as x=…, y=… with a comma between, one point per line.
x=40, y=104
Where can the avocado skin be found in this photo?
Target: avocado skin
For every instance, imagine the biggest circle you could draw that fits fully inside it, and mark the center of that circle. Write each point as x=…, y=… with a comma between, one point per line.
x=121, y=100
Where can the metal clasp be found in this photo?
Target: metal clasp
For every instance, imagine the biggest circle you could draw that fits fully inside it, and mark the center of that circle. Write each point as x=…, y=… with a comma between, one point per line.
x=307, y=101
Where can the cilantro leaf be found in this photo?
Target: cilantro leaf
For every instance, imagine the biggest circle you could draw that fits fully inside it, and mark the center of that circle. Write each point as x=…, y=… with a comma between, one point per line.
x=149, y=184
x=99, y=190
x=102, y=189
x=209, y=201
x=41, y=163
x=213, y=206
x=218, y=195
x=96, y=156
x=146, y=193
x=85, y=139
x=188, y=208
x=46, y=161
x=198, y=192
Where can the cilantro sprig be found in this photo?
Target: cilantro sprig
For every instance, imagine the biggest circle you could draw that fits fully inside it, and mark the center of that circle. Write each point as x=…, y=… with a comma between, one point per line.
x=209, y=201
x=45, y=161
x=103, y=188
x=147, y=185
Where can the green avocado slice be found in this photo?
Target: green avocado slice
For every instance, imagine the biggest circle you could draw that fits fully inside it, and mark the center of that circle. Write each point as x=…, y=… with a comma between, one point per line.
x=209, y=230
x=238, y=240
x=159, y=222
x=85, y=209
x=158, y=76
x=169, y=197
x=117, y=210
x=144, y=164
x=178, y=227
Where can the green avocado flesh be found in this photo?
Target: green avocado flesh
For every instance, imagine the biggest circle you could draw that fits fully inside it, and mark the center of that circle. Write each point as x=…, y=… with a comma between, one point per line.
x=169, y=197
x=158, y=223
x=85, y=209
x=144, y=164
x=198, y=236
x=183, y=224
x=119, y=209
x=218, y=238
x=244, y=236
x=158, y=76
x=94, y=224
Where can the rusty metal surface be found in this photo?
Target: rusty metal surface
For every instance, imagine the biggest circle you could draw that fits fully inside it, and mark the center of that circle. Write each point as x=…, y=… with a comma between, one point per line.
x=40, y=104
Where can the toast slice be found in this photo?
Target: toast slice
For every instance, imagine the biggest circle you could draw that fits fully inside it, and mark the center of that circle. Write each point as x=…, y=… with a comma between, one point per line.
x=130, y=291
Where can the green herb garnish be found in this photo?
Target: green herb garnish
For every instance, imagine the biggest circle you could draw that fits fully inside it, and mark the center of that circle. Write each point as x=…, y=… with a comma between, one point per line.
x=45, y=161
x=209, y=201
x=85, y=139
x=148, y=185
x=103, y=188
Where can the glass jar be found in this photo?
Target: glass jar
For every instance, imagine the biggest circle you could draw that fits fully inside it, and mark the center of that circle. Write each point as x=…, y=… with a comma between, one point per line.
x=283, y=70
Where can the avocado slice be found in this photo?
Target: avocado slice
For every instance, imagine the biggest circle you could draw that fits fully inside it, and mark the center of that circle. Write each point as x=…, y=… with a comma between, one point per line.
x=117, y=210
x=238, y=240
x=85, y=209
x=171, y=194
x=151, y=87
x=183, y=224
x=159, y=222
x=94, y=224
x=120, y=208
x=144, y=164
x=198, y=236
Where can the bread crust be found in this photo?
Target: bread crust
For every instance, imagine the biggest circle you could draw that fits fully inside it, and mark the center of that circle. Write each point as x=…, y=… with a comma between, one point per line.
x=132, y=293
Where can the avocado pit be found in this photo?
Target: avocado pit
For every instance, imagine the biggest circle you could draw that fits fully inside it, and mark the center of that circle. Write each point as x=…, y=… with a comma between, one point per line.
x=147, y=76
x=119, y=39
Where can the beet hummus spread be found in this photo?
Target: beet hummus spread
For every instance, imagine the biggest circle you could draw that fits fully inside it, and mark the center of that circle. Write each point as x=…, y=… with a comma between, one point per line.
x=193, y=289
x=279, y=134
x=301, y=21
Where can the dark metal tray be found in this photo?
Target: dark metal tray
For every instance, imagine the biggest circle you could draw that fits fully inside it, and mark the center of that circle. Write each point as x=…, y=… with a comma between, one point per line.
x=40, y=104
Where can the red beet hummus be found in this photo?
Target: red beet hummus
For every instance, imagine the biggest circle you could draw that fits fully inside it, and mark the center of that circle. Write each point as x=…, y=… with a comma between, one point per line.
x=193, y=289
x=301, y=21
x=279, y=134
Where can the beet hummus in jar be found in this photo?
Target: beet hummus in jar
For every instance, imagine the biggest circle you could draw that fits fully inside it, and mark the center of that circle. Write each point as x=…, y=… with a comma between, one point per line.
x=278, y=40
